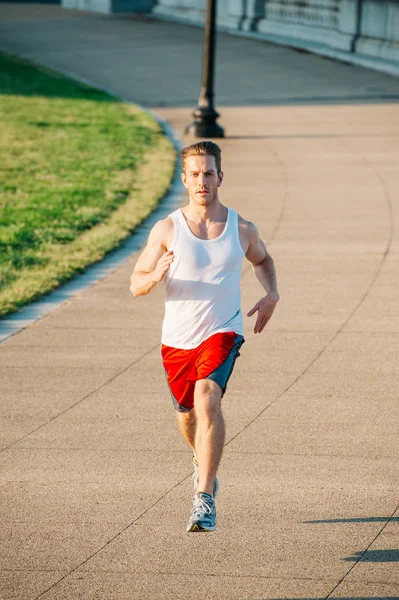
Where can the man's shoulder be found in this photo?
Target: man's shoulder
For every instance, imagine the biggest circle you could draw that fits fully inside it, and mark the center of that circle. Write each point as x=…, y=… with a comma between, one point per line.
x=247, y=229
x=162, y=233
x=163, y=226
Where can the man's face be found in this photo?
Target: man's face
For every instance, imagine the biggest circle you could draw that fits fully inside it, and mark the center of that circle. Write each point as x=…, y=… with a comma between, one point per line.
x=201, y=179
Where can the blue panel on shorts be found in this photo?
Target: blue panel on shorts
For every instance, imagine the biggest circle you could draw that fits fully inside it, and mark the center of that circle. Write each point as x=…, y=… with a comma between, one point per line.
x=221, y=375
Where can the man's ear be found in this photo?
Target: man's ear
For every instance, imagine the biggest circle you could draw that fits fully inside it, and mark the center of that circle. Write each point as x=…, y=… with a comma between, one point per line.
x=220, y=178
x=183, y=178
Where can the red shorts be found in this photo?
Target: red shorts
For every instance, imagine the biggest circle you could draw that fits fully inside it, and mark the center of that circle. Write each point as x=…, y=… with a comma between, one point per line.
x=213, y=359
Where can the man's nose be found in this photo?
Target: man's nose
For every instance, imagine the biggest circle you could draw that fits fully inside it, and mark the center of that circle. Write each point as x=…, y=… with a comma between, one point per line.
x=201, y=178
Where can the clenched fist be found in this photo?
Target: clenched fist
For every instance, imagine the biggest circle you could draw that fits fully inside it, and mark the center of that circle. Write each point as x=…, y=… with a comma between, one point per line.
x=162, y=266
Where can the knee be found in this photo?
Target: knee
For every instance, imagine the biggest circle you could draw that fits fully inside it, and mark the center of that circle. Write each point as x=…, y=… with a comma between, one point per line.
x=207, y=398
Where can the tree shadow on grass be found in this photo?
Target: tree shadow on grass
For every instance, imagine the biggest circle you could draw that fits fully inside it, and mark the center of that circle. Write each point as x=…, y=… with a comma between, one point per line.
x=18, y=77
x=31, y=1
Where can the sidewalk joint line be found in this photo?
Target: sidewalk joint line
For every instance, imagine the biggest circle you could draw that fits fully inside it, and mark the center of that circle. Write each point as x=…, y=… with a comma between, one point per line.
x=82, y=399
x=363, y=553
x=113, y=538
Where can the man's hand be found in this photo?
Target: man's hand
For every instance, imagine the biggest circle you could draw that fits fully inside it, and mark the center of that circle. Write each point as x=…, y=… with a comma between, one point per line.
x=265, y=308
x=154, y=261
x=162, y=266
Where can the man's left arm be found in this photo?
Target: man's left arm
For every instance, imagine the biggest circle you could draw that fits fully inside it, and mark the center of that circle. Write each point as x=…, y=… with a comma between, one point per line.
x=264, y=269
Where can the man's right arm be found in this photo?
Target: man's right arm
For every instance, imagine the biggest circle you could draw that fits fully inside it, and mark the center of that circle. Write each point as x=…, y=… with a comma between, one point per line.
x=154, y=261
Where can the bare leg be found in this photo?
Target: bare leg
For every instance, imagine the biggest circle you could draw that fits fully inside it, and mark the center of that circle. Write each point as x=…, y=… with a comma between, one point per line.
x=210, y=433
x=187, y=423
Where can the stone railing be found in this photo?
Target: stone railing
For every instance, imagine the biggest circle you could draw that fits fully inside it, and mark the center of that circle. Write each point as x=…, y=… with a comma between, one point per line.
x=360, y=31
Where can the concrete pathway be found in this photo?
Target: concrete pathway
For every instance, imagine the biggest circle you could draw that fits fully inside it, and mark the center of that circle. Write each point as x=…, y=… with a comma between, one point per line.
x=96, y=482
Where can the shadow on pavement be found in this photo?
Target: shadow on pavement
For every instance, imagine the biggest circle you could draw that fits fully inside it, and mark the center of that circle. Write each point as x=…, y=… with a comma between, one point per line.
x=358, y=520
x=369, y=555
x=375, y=556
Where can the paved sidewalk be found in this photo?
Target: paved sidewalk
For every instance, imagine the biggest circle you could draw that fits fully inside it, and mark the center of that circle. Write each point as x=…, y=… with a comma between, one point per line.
x=96, y=481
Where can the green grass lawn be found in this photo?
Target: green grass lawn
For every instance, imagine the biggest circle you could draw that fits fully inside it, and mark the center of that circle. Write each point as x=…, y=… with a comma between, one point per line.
x=79, y=170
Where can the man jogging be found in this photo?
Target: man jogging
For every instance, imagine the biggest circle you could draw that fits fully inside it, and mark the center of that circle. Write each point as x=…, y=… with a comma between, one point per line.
x=197, y=252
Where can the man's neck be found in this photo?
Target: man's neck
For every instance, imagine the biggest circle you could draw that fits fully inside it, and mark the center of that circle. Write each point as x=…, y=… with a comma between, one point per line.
x=215, y=212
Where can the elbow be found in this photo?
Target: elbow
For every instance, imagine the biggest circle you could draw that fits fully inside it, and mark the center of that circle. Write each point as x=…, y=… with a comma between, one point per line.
x=268, y=262
x=135, y=291
x=264, y=262
x=133, y=288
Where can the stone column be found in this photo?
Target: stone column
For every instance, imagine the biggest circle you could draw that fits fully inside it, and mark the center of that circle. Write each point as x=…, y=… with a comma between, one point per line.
x=255, y=12
x=231, y=13
x=379, y=30
x=348, y=16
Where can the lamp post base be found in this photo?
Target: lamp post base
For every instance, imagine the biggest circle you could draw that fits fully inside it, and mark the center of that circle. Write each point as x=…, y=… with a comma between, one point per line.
x=204, y=124
x=205, y=130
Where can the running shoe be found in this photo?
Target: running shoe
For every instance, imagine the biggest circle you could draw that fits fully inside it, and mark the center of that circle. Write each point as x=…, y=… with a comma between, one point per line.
x=203, y=514
x=195, y=477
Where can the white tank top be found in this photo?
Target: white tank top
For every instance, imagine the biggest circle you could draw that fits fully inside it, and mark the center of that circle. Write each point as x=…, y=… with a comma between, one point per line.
x=202, y=285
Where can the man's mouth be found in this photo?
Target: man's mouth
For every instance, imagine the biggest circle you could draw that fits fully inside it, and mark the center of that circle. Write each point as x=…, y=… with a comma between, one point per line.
x=202, y=192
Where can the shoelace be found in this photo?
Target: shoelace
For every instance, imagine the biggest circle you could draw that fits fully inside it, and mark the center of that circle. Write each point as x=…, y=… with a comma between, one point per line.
x=201, y=507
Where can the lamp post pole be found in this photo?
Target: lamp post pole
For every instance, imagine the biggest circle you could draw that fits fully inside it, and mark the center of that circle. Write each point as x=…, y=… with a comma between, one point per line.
x=205, y=115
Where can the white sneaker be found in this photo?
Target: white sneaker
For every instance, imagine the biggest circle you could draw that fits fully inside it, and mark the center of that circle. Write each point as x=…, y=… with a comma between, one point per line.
x=203, y=515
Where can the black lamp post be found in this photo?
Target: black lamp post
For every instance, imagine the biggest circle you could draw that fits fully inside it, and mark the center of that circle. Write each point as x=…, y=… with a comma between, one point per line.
x=205, y=115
